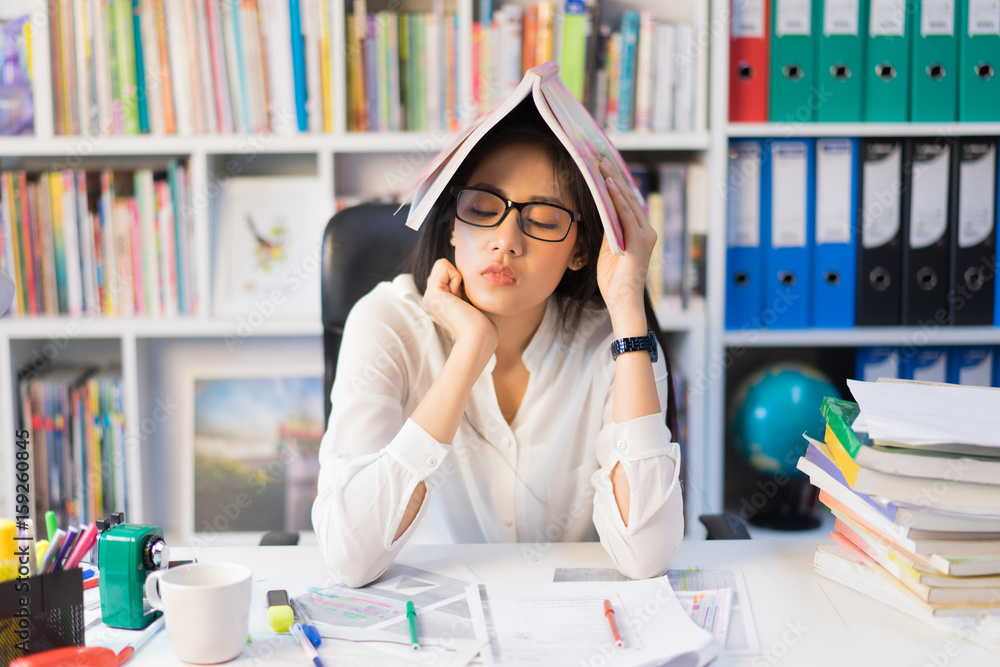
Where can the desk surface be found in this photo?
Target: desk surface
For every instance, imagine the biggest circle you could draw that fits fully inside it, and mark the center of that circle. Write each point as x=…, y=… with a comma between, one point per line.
x=802, y=618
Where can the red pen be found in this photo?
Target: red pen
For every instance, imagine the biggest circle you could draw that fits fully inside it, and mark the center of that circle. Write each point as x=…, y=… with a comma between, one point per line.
x=609, y=613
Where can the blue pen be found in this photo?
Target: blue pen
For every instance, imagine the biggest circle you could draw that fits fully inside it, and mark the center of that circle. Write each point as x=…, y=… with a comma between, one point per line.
x=308, y=628
x=307, y=648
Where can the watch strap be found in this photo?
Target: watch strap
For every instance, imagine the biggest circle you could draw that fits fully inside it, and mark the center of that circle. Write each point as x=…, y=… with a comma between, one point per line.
x=645, y=343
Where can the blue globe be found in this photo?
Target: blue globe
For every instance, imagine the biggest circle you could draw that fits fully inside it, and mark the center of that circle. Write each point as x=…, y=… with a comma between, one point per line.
x=769, y=411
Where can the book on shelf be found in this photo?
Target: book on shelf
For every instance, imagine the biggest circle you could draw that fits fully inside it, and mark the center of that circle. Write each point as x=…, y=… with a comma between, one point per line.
x=75, y=418
x=17, y=115
x=108, y=243
x=566, y=117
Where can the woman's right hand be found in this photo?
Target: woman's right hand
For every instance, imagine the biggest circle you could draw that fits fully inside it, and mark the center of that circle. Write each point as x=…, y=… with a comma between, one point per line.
x=448, y=307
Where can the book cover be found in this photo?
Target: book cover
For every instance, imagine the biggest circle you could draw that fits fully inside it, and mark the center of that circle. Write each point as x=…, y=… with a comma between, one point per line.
x=585, y=141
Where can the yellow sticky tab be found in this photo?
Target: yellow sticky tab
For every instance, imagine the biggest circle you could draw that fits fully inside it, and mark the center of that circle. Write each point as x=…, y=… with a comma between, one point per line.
x=280, y=618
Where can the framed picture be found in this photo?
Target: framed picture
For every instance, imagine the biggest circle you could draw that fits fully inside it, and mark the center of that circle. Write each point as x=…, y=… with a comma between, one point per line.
x=252, y=439
x=268, y=242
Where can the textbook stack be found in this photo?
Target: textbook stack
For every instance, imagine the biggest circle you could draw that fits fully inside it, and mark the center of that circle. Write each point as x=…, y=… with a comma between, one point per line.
x=917, y=518
x=102, y=243
x=78, y=442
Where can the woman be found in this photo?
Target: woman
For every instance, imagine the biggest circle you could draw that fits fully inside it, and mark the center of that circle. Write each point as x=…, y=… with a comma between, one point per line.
x=476, y=399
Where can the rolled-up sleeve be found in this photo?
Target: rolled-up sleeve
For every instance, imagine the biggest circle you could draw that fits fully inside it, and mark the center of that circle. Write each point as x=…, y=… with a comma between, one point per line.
x=651, y=462
x=371, y=457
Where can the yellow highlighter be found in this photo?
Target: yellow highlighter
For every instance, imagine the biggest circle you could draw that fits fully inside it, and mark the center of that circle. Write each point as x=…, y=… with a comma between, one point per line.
x=279, y=611
x=8, y=550
x=40, y=548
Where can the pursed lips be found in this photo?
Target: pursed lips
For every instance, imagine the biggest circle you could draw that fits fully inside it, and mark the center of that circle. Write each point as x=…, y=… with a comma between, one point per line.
x=499, y=276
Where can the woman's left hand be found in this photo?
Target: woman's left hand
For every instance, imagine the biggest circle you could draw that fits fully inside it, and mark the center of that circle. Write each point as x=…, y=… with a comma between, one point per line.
x=622, y=278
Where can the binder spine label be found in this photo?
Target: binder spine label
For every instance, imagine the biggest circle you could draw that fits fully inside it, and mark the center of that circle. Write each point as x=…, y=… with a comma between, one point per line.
x=744, y=195
x=789, y=187
x=984, y=17
x=748, y=18
x=887, y=18
x=937, y=18
x=793, y=17
x=929, y=194
x=840, y=17
x=834, y=161
x=880, y=210
x=976, y=200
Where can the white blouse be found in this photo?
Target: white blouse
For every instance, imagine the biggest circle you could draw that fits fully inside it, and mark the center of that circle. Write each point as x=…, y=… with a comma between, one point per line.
x=545, y=477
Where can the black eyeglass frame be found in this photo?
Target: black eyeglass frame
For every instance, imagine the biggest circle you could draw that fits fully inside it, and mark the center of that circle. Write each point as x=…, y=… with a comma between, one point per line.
x=456, y=190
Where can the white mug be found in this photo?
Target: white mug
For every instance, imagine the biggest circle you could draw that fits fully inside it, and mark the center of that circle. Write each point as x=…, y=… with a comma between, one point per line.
x=207, y=609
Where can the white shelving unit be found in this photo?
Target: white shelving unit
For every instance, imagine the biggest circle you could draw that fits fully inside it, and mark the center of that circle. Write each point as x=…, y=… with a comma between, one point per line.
x=724, y=345
x=150, y=351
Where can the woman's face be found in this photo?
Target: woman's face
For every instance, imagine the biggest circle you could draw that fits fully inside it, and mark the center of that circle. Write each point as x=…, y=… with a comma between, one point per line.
x=506, y=273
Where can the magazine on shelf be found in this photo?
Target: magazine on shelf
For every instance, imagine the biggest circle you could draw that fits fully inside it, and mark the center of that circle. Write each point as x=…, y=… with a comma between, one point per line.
x=585, y=141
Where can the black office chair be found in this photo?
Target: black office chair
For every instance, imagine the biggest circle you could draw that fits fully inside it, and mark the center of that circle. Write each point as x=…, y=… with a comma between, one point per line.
x=362, y=246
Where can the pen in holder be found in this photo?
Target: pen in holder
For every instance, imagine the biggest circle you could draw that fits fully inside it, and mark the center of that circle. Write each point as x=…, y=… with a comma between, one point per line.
x=41, y=613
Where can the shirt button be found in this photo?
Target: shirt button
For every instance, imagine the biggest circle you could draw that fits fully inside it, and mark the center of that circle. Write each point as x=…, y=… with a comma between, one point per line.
x=508, y=522
x=622, y=445
x=431, y=461
x=506, y=442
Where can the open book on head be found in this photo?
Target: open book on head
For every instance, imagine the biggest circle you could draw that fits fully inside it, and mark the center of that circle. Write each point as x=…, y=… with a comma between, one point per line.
x=575, y=128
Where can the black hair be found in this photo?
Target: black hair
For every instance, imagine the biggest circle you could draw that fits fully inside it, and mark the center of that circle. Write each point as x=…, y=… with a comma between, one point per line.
x=577, y=289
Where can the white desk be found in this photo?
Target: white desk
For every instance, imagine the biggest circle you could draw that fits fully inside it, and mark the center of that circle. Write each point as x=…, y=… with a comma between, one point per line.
x=802, y=618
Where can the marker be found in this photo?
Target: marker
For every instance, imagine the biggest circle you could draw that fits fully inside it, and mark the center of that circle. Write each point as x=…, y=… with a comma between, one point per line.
x=306, y=645
x=40, y=549
x=609, y=614
x=50, y=523
x=83, y=544
x=8, y=550
x=307, y=627
x=50, y=554
x=411, y=617
x=71, y=534
x=279, y=613
x=147, y=634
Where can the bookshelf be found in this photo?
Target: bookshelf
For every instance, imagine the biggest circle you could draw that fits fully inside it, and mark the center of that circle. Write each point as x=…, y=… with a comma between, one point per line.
x=155, y=355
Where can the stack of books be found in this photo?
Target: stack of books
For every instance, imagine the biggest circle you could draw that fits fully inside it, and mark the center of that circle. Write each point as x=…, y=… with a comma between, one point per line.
x=914, y=484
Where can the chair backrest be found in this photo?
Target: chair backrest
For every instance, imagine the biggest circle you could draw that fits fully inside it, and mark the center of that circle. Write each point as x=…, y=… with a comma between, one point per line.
x=362, y=246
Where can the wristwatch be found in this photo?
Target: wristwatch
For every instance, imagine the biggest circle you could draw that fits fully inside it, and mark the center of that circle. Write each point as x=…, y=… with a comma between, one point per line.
x=636, y=344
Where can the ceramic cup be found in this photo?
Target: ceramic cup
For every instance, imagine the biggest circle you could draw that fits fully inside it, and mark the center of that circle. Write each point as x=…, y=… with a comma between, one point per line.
x=207, y=609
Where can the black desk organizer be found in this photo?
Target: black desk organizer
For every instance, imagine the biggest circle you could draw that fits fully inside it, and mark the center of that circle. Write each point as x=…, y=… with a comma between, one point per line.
x=54, y=613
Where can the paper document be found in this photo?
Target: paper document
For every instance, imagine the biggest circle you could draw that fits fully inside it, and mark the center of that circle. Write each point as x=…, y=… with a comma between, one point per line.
x=564, y=623
x=740, y=634
x=916, y=415
x=362, y=622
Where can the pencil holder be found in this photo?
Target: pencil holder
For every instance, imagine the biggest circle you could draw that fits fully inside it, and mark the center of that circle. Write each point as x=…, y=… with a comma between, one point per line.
x=40, y=613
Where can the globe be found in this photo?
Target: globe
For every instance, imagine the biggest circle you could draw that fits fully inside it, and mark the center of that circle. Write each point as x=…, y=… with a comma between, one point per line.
x=771, y=409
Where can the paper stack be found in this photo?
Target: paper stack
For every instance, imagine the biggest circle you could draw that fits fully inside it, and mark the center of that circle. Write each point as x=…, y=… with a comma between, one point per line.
x=912, y=474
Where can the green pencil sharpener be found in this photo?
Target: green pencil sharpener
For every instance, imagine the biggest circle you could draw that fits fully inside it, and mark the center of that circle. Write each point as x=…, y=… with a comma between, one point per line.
x=125, y=555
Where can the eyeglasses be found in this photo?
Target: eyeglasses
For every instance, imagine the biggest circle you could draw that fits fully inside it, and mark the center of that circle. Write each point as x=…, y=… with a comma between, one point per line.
x=545, y=222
